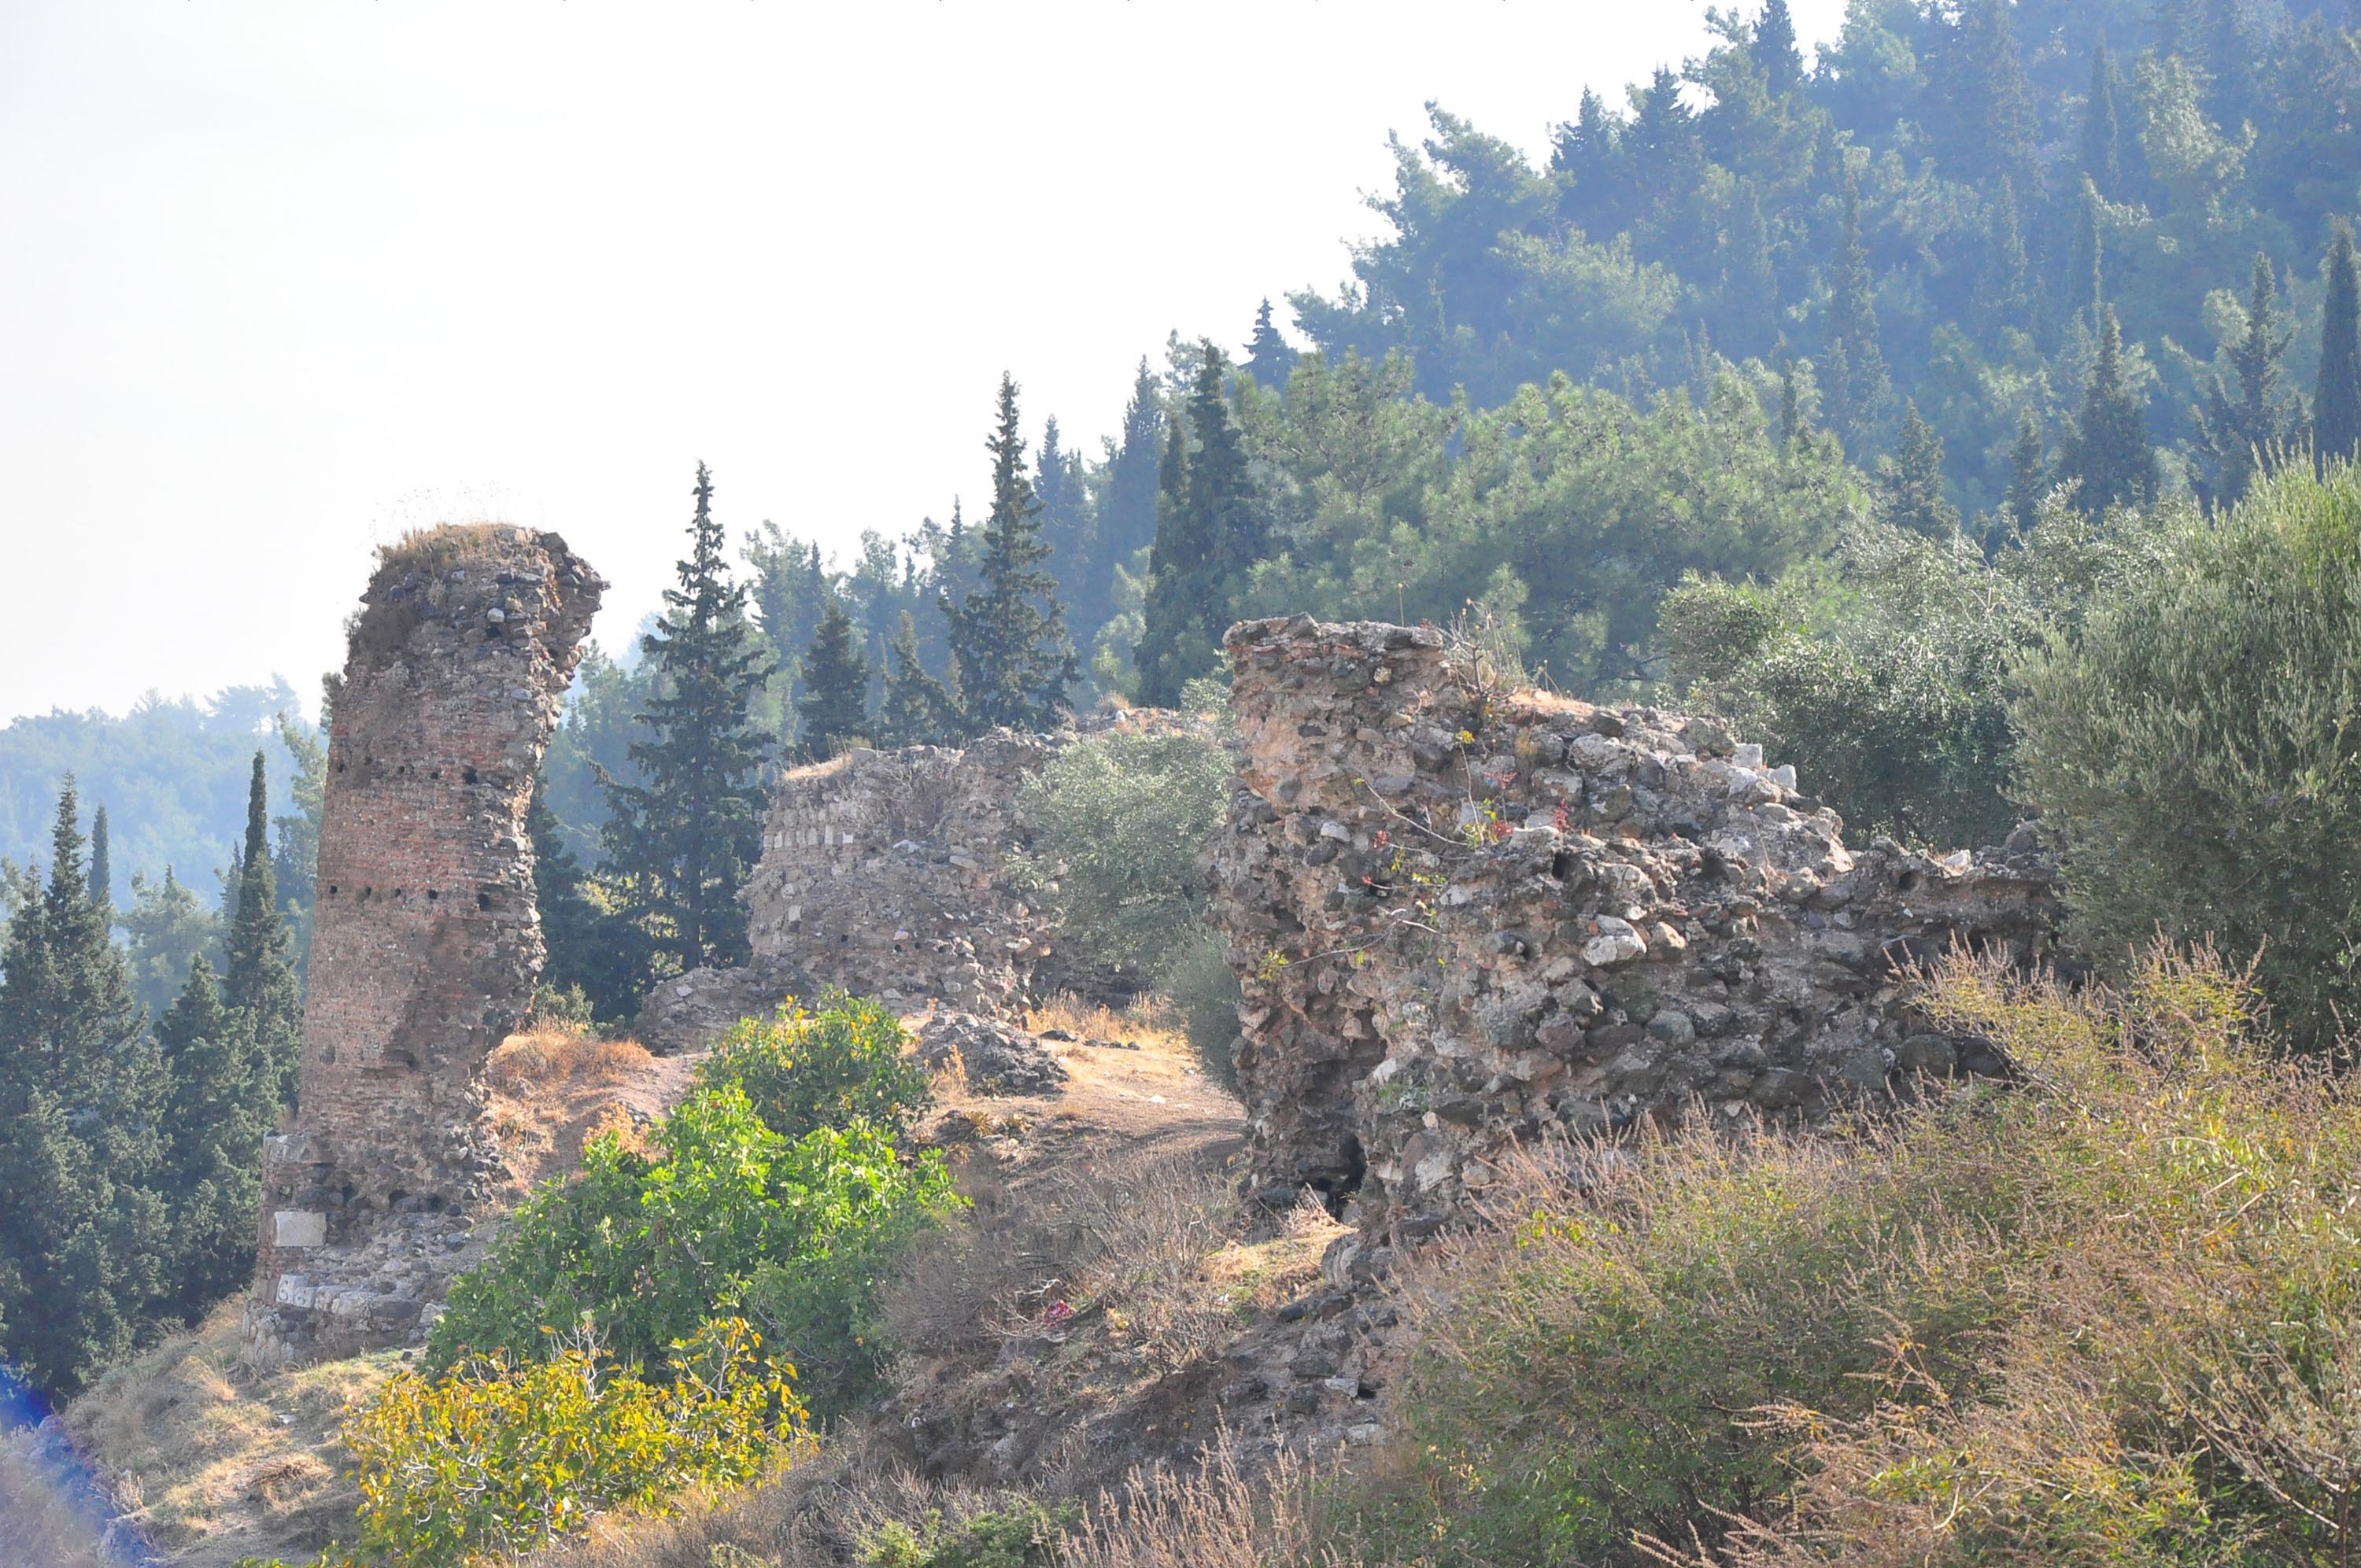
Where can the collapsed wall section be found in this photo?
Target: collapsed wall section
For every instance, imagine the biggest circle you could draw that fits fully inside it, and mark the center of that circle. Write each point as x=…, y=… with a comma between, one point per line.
x=426, y=942
x=897, y=875
x=1465, y=918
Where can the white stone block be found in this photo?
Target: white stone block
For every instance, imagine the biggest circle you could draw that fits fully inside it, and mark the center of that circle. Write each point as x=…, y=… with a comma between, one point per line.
x=299, y=1227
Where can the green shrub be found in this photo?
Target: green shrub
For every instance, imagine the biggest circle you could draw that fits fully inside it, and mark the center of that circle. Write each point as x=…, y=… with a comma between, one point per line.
x=803, y=1070
x=2198, y=748
x=499, y=1456
x=722, y=1214
x=1022, y=1535
x=2110, y=1316
x=1196, y=980
x=1119, y=819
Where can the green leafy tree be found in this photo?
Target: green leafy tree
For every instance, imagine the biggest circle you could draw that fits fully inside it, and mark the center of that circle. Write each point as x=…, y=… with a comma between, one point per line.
x=916, y=709
x=679, y=842
x=839, y=1067
x=258, y=978
x=1909, y=489
x=2336, y=406
x=835, y=704
x=2108, y=459
x=2194, y=750
x=1008, y=634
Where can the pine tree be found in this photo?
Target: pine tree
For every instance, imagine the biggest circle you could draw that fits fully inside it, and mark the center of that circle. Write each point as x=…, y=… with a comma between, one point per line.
x=1774, y=49
x=84, y=1233
x=1909, y=487
x=2102, y=129
x=1008, y=635
x=834, y=706
x=916, y=709
x=1269, y=360
x=679, y=843
x=102, y=867
x=1209, y=534
x=2108, y=459
x=223, y=1098
x=2233, y=436
x=2028, y=484
x=2336, y=405
x=1857, y=380
x=259, y=976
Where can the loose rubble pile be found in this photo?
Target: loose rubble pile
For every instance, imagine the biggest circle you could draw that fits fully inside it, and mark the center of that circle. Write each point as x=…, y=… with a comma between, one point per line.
x=994, y=1058
x=890, y=874
x=426, y=940
x=1466, y=916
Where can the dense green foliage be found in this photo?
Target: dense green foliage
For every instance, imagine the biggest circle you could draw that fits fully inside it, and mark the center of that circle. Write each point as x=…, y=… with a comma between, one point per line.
x=2104, y=1317
x=130, y=1158
x=773, y=1195
x=1025, y=1534
x=2198, y=748
x=802, y=1070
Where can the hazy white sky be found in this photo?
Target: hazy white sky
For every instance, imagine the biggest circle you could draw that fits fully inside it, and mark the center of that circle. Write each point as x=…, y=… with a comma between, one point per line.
x=281, y=281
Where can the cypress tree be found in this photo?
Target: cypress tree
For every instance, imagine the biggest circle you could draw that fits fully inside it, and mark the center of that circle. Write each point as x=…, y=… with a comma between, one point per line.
x=259, y=974
x=2108, y=457
x=1749, y=282
x=102, y=868
x=2028, y=483
x=1127, y=521
x=2336, y=405
x=679, y=843
x=915, y=709
x=223, y=1098
x=1909, y=487
x=1991, y=99
x=2230, y=51
x=84, y=1233
x=1268, y=358
x=834, y=707
x=1008, y=635
x=1209, y=534
x=1774, y=49
x=1856, y=378
x=2103, y=127
x=2005, y=293
x=2086, y=263
x=2233, y=436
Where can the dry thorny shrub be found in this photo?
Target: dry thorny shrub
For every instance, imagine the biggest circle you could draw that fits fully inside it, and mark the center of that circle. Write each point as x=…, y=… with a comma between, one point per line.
x=2111, y=1315
x=1127, y=1235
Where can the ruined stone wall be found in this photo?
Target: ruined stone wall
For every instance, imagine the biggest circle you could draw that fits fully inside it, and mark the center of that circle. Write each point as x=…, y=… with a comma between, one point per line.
x=426, y=942
x=891, y=874
x=1465, y=918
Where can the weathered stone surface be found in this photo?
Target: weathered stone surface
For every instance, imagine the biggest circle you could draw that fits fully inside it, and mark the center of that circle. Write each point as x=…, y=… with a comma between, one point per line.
x=1465, y=918
x=891, y=874
x=994, y=1058
x=427, y=942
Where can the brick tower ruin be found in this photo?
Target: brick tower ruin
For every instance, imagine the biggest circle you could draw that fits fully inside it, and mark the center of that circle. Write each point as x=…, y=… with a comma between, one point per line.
x=427, y=942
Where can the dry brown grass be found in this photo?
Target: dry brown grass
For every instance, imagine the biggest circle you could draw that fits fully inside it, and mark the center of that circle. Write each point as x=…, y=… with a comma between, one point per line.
x=446, y=541
x=527, y=1064
x=217, y=1462
x=39, y=1524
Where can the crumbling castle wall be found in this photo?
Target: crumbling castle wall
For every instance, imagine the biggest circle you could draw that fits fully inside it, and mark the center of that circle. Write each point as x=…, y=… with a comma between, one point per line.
x=427, y=942
x=1465, y=918
x=893, y=874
